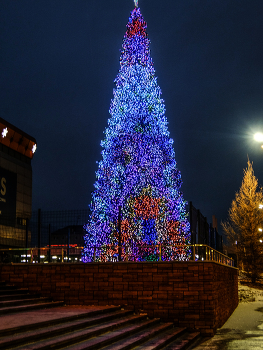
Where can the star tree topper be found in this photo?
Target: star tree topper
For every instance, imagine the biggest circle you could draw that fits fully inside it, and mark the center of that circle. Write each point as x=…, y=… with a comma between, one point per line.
x=136, y=3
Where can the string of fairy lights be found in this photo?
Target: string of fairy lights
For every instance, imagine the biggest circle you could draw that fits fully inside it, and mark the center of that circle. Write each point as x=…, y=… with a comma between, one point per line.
x=137, y=203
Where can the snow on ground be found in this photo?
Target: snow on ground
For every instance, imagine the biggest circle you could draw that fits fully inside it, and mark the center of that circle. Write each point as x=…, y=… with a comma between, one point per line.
x=247, y=291
x=248, y=294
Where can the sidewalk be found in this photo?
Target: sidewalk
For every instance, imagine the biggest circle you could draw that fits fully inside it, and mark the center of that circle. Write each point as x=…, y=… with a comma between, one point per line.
x=244, y=329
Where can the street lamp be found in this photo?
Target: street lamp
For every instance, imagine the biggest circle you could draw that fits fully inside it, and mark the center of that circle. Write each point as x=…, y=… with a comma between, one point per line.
x=259, y=137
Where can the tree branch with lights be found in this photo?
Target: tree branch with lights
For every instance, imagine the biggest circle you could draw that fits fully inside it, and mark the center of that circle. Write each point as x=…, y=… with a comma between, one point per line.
x=137, y=206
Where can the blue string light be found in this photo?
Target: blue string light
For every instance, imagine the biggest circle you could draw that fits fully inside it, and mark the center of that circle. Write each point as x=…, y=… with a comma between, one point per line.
x=137, y=199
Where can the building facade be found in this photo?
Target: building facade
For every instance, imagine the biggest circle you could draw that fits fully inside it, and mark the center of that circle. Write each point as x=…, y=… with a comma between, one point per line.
x=16, y=152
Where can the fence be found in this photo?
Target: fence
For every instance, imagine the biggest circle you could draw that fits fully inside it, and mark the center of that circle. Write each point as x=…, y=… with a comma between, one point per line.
x=46, y=228
x=64, y=254
x=57, y=227
x=201, y=231
x=44, y=255
x=43, y=228
x=57, y=236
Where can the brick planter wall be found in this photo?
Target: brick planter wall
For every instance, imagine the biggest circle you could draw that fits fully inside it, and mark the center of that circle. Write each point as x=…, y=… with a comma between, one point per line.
x=199, y=295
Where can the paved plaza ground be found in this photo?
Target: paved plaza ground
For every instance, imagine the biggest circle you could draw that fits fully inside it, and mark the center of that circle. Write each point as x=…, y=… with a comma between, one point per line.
x=244, y=329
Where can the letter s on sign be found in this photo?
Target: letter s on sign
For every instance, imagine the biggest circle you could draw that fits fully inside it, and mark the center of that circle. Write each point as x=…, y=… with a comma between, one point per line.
x=3, y=186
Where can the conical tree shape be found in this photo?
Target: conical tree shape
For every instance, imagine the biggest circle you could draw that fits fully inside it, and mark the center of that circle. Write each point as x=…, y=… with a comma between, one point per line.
x=244, y=225
x=137, y=201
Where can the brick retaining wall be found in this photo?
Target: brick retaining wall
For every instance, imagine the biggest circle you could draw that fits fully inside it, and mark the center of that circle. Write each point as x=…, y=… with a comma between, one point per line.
x=199, y=295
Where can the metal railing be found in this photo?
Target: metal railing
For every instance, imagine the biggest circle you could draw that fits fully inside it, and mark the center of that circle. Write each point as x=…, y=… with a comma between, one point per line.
x=194, y=252
x=65, y=254
x=41, y=255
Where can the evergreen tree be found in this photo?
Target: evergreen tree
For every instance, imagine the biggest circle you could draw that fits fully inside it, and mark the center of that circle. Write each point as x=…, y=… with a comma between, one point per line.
x=244, y=225
x=137, y=200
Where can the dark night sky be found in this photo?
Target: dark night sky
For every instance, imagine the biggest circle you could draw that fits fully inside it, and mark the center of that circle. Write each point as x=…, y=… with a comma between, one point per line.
x=58, y=61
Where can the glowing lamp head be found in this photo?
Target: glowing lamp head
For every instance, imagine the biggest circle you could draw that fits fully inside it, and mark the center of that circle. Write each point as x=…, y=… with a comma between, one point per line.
x=34, y=148
x=258, y=137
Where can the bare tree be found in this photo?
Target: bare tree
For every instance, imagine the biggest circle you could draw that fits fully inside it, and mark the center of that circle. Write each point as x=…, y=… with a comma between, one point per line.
x=245, y=223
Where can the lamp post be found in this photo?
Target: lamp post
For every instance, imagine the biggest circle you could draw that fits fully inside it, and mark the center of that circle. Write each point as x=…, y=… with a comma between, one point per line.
x=260, y=229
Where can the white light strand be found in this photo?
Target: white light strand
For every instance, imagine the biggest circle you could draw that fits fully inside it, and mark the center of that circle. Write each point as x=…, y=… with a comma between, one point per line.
x=4, y=133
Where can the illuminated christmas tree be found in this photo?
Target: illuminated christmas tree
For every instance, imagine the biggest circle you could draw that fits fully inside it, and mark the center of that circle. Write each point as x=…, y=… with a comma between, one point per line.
x=137, y=204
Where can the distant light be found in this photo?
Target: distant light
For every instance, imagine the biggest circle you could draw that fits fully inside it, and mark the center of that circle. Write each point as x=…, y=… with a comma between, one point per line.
x=260, y=206
x=258, y=137
x=260, y=241
x=42, y=256
x=260, y=229
x=54, y=257
x=34, y=148
x=4, y=133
